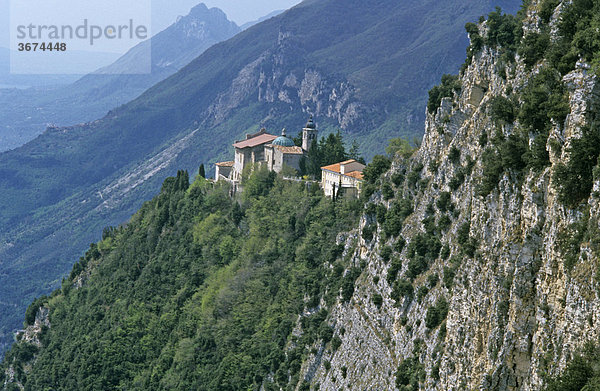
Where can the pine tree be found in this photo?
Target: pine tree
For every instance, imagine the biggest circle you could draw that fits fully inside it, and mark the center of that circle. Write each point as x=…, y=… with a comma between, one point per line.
x=201, y=171
x=354, y=153
x=313, y=160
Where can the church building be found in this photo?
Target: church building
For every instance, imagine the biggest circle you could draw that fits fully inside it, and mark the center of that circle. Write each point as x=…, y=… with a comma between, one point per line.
x=276, y=152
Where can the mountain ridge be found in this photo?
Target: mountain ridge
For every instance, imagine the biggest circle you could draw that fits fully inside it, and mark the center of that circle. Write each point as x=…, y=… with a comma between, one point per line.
x=247, y=25
x=274, y=86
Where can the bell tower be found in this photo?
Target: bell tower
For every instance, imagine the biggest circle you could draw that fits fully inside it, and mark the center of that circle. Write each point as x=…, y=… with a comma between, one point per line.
x=309, y=134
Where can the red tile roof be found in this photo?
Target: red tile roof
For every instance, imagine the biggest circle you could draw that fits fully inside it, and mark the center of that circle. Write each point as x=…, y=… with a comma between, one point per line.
x=225, y=164
x=333, y=167
x=337, y=169
x=255, y=141
x=355, y=174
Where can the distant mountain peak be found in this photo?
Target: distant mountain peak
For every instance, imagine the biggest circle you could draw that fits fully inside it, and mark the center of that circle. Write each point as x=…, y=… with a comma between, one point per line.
x=201, y=11
x=200, y=7
x=184, y=40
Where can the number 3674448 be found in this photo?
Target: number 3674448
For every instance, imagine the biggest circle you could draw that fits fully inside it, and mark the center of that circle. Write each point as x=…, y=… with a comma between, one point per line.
x=42, y=47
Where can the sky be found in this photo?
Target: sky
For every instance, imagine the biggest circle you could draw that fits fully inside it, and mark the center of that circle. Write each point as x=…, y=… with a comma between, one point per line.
x=165, y=12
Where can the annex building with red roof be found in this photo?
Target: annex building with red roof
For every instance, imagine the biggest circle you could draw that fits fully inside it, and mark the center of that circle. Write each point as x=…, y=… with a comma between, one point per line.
x=342, y=178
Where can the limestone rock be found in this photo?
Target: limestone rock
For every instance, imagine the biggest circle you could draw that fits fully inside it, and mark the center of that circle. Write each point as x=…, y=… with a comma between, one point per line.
x=515, y=313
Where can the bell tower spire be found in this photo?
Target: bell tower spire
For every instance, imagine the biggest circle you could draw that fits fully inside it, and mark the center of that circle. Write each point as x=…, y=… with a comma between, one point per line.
x=309, y=134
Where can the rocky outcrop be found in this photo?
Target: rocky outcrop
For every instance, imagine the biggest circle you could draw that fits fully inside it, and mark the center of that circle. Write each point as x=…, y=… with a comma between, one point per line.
x=31, y=334
x=276, y=78
x=31, y=337
x=515, y=313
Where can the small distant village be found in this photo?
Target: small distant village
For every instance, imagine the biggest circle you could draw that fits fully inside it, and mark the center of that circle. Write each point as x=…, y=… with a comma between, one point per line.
x=279, y=153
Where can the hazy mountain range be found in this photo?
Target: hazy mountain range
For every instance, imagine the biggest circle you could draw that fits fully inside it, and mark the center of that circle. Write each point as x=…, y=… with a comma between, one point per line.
x=25, y=114
x=266, y=17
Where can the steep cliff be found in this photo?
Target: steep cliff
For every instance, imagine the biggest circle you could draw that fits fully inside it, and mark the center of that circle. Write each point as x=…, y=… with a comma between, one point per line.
x=492, y=282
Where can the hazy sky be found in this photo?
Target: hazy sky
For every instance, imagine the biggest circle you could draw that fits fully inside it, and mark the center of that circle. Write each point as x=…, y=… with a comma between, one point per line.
x=165, y=12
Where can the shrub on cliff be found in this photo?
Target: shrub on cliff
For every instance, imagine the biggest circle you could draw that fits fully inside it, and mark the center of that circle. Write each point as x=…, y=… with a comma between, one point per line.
x=450, y=84
x=574, y=179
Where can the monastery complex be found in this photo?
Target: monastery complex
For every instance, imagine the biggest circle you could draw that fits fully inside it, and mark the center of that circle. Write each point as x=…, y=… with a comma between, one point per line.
x=277, y=152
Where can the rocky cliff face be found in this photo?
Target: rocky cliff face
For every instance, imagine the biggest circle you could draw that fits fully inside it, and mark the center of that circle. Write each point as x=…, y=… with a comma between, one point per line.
x=515, y=312
x=277, y=78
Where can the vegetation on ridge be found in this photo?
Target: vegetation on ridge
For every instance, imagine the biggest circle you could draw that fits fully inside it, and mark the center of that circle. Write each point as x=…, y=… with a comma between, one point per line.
x=542, y=102
x=197, y=292
x=450, y=85
x=582, y=372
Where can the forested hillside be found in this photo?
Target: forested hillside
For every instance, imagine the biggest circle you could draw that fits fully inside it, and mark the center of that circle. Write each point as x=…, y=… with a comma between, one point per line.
x=198, y=291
